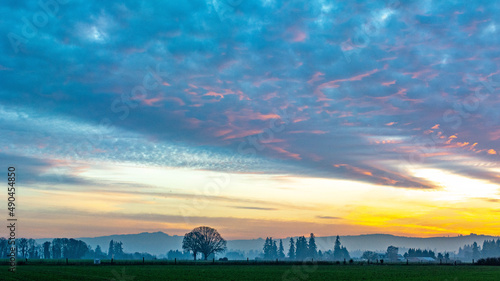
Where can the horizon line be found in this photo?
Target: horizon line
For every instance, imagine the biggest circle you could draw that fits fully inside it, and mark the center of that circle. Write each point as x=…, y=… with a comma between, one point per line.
x=351, y=235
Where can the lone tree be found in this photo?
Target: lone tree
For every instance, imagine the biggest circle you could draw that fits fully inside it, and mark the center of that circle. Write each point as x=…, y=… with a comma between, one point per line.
x=205, y=240
x=191, y=243
x=281, y=251
x=313, y=252
x=301, y=249
x=339, y=252
x=392, y=253
x=291, y=250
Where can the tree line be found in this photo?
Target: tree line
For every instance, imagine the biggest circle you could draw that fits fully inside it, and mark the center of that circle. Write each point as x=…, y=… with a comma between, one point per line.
x=301, y=249
x=414, y=253
x=392, y=255
x=58, y=248
x=62, y=248
x=490, y=248
x=206, y=242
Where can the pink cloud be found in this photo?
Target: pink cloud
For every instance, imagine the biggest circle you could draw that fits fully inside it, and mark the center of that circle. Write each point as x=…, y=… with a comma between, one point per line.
x=270, y=96
x=299, y=36
x=266, y=116
x=190, y=92
x=402, y=92
x=214, y=94
x=426, y=74
x=274, y=140
x=258, y=83
x=193, y=122
x=387, y=84
x=248, y=114
x=286, y=153
x=151, y=101
x=495, y=135
x=300, y=119
x=242, y=95
x=315, y=157
x=222, y=132
x=175, y=99
x=354, y=169
x=316, y=132
x=243, y=134
x=316, y=77
x=335, y=83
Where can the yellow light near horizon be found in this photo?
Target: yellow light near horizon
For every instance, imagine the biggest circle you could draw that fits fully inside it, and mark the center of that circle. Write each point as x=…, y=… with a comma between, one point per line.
x=277, y=204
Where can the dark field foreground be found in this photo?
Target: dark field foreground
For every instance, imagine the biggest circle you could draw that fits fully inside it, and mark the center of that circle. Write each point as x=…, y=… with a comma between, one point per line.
x=218, y=271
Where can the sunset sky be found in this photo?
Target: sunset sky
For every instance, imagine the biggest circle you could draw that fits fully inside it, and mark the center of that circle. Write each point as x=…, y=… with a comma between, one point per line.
x=258, y=118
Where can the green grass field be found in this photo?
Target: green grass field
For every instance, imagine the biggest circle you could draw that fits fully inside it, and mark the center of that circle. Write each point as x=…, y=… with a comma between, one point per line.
x=285, y=272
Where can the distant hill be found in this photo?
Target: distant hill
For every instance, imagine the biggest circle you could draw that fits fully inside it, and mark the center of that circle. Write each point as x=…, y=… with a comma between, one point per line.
x=380, y=242
x=159, y=243
x=356, y=244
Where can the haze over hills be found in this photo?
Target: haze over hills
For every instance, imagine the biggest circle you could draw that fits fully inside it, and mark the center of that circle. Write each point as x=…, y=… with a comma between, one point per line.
x=159, y=243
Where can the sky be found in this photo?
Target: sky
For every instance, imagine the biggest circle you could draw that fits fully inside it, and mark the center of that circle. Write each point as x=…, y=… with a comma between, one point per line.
x=258, y=118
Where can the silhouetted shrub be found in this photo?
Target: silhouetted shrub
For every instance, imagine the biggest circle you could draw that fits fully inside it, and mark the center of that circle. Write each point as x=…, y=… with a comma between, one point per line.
x=489, y=261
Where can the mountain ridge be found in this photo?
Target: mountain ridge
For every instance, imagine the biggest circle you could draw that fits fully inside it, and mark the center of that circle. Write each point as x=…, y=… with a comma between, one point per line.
x=159, y=243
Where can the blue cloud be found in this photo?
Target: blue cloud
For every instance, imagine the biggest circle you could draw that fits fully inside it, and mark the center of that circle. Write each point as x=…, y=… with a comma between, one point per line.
x=204, y=77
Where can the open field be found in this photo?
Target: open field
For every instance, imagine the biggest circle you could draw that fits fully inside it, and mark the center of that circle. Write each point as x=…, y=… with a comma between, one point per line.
x=235, y=271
